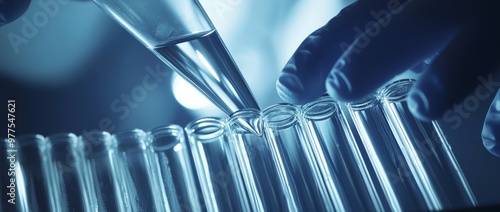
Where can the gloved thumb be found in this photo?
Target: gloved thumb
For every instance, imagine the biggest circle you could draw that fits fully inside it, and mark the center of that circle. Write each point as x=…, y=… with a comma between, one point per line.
x=11, y=10
x=491, y=127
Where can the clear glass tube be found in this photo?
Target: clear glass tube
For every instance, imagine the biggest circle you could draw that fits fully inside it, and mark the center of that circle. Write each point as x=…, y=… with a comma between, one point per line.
x=434, y=166
x=135, y=172
x=341, y=163
x=216, y=165
x=293, y=157
x=183, y=37
x=261, y=178
x=105, y=190
x=180, y=188
x=387, y=160
x=68, y=176
x=34, y=175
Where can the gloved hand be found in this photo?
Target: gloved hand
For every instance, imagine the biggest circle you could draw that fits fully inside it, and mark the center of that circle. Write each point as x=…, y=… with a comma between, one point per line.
x=10, y=10
x=371, y=41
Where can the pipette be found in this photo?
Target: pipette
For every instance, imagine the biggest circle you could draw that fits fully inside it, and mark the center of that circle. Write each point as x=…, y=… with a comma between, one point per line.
x=180, y=33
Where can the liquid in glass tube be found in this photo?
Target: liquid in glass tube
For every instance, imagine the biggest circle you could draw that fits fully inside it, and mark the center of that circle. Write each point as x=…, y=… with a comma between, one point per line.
x=181, y=34
x=204, y=61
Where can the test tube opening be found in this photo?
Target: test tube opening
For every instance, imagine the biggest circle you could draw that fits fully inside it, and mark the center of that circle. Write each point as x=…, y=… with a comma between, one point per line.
x=320, y=109
x=31, y=140
x=62, y=147
x=134, y=139
x=99, y=141
x=205, y=129
x=63, y=140
x=166, y=137
x=398, y=90
x=364, y=103
x=280, y=116
x=248, y=120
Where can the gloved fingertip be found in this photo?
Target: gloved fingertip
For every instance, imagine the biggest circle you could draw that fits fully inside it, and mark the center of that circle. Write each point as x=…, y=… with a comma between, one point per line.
x=290, y=88
x=491, y=127
x=297, y=83
x=338, y=84
x=490, y=141
x=428, y=99
x=418, y=104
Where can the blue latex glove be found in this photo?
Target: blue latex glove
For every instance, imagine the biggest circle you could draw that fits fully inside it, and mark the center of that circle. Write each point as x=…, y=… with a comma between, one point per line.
x=10, y=10
x=371, y=41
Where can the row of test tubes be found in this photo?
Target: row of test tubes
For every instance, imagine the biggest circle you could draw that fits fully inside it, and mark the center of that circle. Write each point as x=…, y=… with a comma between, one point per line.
x=299, y=158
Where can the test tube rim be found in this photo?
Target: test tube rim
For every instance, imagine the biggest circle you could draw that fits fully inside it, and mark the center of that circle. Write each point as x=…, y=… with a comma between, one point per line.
x=282, y=123
x=242, y=112
x=387, y=93
x=41, y=141
x=56, y=139
x=307, y=113
x=171, y=130
x=140, y=136
x=192, y=128
x=105, y=137
x=367, y=102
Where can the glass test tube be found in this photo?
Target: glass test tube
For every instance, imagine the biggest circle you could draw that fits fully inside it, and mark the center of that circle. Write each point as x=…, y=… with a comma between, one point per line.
x=434, y=166
x=105, y=190
x=387, y=160
x=216, y=166
x=338, y=156
x=182, y=36
x=261, y=178
x=68, y=178
x=180, y=188
x=294, y=159
x=34, y=176
x=135, y=172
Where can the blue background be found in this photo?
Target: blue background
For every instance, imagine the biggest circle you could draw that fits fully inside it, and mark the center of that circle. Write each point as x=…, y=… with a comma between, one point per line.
x=68, y=74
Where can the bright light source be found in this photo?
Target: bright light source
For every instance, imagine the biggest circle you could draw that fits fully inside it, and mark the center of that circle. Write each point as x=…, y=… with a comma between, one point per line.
x=187, y=95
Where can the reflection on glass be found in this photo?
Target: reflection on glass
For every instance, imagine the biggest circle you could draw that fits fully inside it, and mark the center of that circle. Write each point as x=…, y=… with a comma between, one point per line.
x=345, y=173
x=434, y=166
x=261, y=178
x=216, y=165
x=68, y=177
x=105, y=190
x=34, y=175
x=293, y=157
x=180, y=189
x=394, y=176
x=135, y=173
